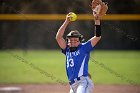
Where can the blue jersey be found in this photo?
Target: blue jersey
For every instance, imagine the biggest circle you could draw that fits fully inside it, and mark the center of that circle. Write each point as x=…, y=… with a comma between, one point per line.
x=77, y=61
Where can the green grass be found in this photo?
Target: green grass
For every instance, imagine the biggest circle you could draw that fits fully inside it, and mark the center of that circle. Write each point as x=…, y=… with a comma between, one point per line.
x=46, y=66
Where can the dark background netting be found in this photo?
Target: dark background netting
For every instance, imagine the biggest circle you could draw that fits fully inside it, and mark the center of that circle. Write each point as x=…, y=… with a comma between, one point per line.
x=27, y=34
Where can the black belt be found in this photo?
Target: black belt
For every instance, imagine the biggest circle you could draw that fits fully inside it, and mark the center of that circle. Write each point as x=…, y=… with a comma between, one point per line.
x=74, y=80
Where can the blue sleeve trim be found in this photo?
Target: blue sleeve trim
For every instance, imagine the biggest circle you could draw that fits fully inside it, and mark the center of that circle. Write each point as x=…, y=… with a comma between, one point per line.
x=64, y=50
x=88, y=46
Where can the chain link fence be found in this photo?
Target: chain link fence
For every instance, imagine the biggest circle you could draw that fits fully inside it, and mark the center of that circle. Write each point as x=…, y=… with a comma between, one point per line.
x=25, y=34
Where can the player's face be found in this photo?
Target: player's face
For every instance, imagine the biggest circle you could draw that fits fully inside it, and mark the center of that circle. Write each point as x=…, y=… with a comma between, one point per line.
x=73, y=42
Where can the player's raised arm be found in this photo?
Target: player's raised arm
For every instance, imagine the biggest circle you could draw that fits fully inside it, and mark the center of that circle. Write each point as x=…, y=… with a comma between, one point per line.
x=99, y=9
x=97, y=33
x=59, y=36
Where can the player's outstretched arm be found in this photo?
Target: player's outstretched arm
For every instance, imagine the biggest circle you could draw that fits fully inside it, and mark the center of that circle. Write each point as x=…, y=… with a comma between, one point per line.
x=59, y=36
x=97, y=33
x=99, y=9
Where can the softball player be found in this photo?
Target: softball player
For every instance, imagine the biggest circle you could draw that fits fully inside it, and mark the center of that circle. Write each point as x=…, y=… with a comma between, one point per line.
x=77, y=56
x=78, y=53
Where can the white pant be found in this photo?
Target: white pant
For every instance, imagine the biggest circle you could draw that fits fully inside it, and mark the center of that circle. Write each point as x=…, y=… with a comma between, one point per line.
x=84, y=85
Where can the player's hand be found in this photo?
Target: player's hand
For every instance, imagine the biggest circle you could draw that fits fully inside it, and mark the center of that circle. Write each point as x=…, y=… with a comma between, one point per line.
x=99, y=8
x=68, y=17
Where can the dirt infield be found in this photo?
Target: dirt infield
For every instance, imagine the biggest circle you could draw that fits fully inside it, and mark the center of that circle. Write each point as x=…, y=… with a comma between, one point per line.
x=57, y=88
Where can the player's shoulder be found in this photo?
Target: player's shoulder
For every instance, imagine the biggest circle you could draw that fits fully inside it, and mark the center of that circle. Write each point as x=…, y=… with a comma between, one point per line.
x=87, y=46
x=87, y=42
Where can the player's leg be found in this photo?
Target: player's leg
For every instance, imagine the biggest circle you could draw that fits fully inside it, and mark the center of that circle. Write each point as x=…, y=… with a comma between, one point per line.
x=90, y=86
x=82, y=87
x=73, y=87
x=85, y=86
x=71, y=91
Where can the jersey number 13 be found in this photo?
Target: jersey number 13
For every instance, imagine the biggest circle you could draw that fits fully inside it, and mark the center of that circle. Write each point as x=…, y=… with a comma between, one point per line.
x=70, y=62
